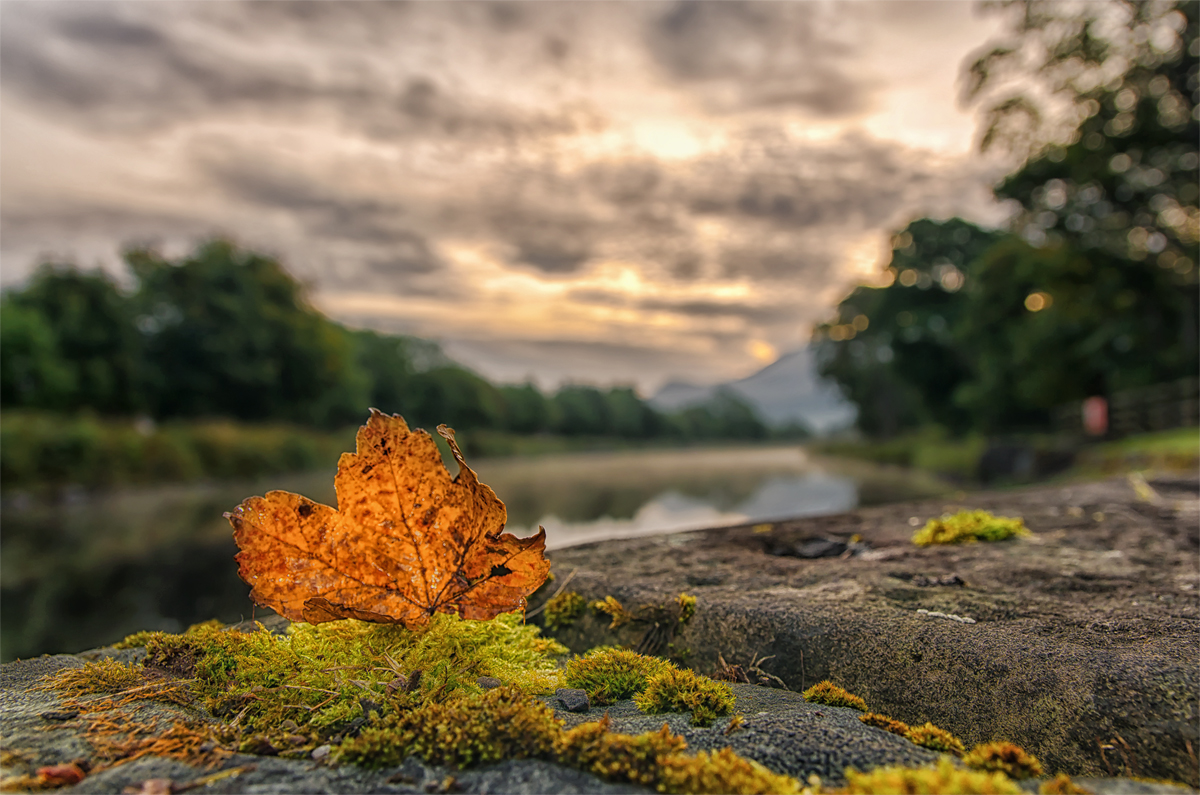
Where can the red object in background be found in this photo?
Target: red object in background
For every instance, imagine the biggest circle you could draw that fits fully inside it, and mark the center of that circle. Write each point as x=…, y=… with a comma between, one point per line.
x=60, y=775
x=1095, y=416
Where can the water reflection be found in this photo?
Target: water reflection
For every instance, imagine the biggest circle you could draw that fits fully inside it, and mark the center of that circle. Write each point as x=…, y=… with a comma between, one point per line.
x=89, y=570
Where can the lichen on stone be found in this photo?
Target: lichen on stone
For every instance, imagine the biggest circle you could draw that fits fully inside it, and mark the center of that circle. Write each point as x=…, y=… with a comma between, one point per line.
x=945, y=779
x=969, y=526
x=1012, y=760
x=683, y=690
x=828, y=693
x=562, y=610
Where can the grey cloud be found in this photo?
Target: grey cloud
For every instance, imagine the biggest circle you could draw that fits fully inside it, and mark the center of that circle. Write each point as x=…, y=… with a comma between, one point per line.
x=759, y=313
x=326, y=212
x=121, y=68
x=560, y=361
x=755, y=54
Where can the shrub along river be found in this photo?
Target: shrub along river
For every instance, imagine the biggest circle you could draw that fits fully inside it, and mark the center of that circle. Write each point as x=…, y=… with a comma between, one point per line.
x=90, y=568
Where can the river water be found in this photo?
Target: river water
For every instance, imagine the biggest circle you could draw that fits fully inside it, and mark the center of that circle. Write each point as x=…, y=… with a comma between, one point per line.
x=90, y=569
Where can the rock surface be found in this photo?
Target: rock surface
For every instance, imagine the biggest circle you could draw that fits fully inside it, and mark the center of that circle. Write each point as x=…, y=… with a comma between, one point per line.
x=1080, y=643
x=781, y=731
x=1060, y=660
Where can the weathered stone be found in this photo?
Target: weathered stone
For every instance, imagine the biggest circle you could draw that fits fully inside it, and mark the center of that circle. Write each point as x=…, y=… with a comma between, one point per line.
x=572, y=699
x=1060, y=660
x=1085, y=639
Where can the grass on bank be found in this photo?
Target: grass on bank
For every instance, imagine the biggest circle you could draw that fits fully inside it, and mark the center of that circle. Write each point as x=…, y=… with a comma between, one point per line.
x=43, y=449
x=935, y=451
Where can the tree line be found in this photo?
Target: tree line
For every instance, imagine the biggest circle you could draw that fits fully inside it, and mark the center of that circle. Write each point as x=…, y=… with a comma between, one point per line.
x=227, y=332
x=1093, y=288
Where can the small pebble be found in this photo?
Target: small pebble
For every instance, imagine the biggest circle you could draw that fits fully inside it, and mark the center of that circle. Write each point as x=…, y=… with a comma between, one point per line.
x=321, y=751
x=60, y=714
x=488, y=682
x=572, y=699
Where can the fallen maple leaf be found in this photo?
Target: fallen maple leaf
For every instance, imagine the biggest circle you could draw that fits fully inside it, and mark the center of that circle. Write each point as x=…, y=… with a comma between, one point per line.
x=405, y=542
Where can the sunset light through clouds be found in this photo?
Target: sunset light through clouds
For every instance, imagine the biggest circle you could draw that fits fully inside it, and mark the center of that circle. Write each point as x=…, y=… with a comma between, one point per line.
x=602, y=192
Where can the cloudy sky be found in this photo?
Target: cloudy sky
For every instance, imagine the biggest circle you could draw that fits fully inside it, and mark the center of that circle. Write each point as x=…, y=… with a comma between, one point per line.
x=627, y=192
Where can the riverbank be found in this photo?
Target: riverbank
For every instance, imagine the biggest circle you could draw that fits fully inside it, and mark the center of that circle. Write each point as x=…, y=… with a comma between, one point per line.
x=42, y=452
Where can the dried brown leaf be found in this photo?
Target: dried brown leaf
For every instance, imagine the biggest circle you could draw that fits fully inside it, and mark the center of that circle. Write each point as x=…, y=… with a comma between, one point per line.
x=405, y=542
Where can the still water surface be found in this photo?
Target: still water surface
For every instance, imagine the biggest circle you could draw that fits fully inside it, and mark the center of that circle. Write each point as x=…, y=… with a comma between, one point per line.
x=89, y=570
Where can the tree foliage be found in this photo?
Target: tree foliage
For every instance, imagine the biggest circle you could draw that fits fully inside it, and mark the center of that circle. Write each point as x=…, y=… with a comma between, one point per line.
x=1094, y=289
x=227, y=332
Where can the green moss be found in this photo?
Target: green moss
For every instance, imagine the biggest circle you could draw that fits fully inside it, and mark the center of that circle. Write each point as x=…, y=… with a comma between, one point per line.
x=827, y=692
x=935, y=739
x=682, y=690
x=1062, y=785
x=945, y=779
x=139, y=639
x=562, y=610
x=884, y=722
x=1009, y=759
x=614, y=610
x=136, y=640
x=969, y=526
x=610, y=675
x=315, y=676
x=463, y=731
x=657, y=760
x=102, y=676
x=687, y=607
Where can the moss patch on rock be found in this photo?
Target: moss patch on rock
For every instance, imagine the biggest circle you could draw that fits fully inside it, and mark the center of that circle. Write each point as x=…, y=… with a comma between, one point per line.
x=683, y=690
x=828, y=693
x=945, y=779
x=969, y=526
x=463, y=731
x=935, y=739
x=609, y=675
x=562, y=610
x=1012, y=760
x=657, y=760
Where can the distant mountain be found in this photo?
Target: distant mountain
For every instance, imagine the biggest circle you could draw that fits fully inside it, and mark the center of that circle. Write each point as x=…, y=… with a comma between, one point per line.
x=789, y=390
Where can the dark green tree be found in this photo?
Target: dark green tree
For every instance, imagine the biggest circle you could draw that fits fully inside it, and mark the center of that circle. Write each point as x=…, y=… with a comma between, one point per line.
x=1099, y=292
x=33, y=372
x=630, y=416
x=581, y=411
x=229, y=332
x=1110, y=204
x=724, y=416
x=71, y=342
x=456, y=397
x=527, y=410
x=893, y=349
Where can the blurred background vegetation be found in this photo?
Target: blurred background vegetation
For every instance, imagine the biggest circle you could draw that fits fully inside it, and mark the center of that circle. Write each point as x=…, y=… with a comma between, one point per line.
x=1092, y=291
x=215, y=365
